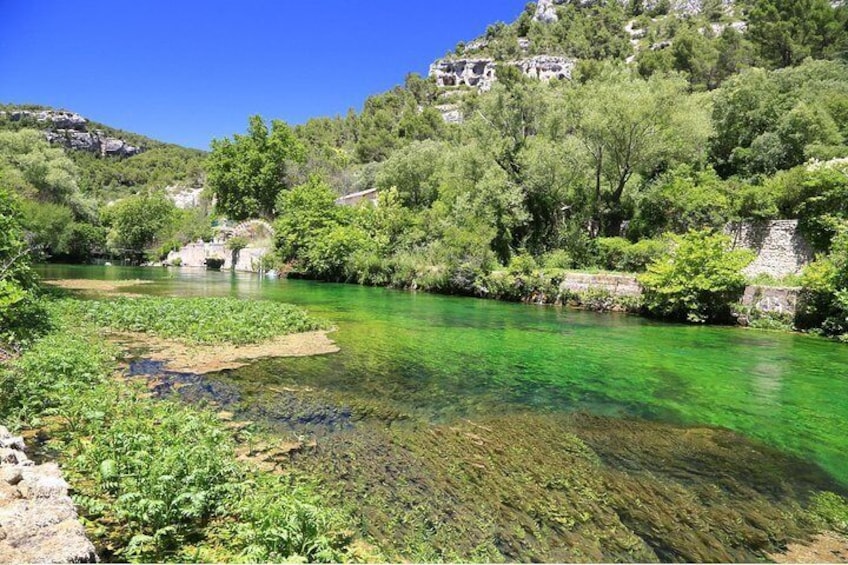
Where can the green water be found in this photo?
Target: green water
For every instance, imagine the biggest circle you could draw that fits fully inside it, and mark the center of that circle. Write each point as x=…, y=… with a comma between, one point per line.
x=442, y=357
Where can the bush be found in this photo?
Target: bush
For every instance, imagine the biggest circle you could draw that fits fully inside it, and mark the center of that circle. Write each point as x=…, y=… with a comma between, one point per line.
x=824, y=298
x=697, y=280
x=557, y=259
x=618, y=254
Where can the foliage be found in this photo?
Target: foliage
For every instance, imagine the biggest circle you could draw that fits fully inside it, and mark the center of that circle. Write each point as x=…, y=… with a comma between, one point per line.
x=680, y=200
x=194, y=320
x=154, y=477
x=788, y=31
x=136, y=221
x=824, y=300
x=767, y=121
x=619, y=254
x=247, y=172
x=629, y=127
x=21, y=314
x=697, y=280
x=52, y=374
x=832, y=510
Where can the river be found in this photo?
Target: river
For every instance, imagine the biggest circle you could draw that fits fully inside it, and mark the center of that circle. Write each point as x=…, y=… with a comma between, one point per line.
x=440, y=360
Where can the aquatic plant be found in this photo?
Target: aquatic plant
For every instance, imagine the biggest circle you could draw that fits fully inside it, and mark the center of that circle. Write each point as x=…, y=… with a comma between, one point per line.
x=193, y=320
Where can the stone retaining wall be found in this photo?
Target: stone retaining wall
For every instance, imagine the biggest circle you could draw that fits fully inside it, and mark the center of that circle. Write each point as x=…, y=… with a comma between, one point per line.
x=617, y=285
x=765, y=299
x=780, y=247
x=38, y=520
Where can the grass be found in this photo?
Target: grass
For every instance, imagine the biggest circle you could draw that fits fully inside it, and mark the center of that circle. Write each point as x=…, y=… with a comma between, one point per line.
x=193, y=320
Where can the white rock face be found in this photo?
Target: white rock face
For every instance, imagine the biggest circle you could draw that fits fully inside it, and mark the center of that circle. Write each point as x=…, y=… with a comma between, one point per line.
x=184, y=198
x=95, y=142
x=545, y=11
x=58, y=119
x=481, y=74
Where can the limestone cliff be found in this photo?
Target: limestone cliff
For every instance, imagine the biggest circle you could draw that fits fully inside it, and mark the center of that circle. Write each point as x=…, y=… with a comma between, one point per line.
x=72, y=131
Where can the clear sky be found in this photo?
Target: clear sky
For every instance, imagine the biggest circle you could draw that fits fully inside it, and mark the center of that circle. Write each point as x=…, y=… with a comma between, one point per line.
x=186, y=72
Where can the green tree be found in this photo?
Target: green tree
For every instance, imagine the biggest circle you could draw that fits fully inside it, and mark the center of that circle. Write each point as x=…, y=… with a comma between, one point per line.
x=248, y=172
x=786, y=32
x=20, y=314
x=629, y=127
x=697, y=280
x=412, y=170
x=136, y=222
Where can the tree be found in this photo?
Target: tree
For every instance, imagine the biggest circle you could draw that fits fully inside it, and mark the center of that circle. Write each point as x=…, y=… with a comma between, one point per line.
x=136, y=222
x=412, y=170
x=630, y=127
x=248, y=172
x=786, y=32
x=697, y=279
x=19, y=314
x=765, y=121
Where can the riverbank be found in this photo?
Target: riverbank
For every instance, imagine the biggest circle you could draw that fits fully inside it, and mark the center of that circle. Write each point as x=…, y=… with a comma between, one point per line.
x=158, y=480
x=38, y=519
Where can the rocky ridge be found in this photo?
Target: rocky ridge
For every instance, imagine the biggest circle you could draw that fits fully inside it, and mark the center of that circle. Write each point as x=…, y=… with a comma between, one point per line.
x=38, y=520
x=546, y=9
x=71, y=130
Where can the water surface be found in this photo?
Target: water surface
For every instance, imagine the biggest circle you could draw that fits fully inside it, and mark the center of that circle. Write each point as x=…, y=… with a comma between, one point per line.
x=441, y=358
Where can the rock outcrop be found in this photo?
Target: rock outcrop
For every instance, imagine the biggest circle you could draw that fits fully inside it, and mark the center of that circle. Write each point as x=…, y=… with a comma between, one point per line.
x=53, y=118
x=546, y=9
x=71, y=130
x=481, y=73
x=38, y=520
x=95, y=142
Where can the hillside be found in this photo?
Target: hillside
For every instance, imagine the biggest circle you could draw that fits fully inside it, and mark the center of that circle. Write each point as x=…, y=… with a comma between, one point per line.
x=112, y=162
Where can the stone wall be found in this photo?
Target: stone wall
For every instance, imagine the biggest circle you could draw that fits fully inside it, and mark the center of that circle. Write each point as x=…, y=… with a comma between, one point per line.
x=38, y=520
x=195, y=255
x=764, y=299
x=780, y=247
x=616, y=285
x=771, y=299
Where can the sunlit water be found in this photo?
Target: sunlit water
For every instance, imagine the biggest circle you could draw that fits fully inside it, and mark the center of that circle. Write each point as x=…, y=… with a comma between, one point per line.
x=443, y=357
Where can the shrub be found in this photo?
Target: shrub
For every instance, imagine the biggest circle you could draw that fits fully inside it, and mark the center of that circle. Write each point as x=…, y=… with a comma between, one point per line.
x=824, y=298
x=698, y=279
x=618, y=254
x=612, y=252
x=522, y=264
x=557, y=259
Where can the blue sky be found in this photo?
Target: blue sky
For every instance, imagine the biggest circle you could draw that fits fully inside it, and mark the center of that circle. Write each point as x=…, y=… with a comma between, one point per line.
x=186, y=72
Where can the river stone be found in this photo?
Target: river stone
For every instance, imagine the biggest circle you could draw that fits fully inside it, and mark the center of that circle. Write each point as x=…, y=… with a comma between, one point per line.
x=10, y=475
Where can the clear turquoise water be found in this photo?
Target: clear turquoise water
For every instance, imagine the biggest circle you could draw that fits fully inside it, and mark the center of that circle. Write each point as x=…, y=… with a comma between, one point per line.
x=443, y=357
